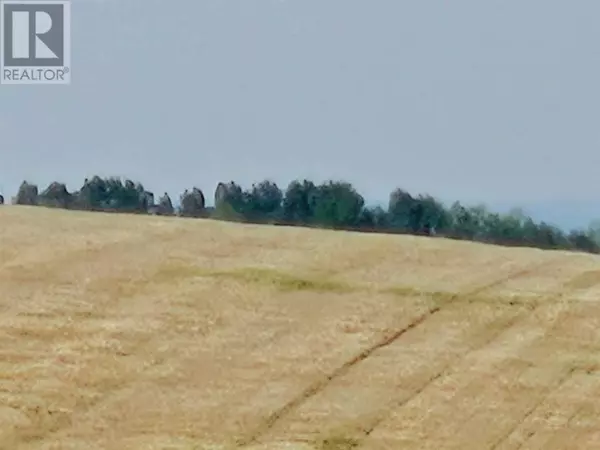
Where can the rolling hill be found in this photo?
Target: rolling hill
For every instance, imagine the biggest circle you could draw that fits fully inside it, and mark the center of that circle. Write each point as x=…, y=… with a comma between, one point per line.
x=140, y=332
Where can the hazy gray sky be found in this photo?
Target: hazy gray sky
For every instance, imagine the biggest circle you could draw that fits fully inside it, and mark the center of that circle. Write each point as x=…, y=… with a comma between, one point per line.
x=494, y=101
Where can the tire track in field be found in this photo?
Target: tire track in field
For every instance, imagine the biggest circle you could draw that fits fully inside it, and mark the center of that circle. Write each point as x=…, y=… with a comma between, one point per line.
x=552, y=440
x=531, y=412
x=445, y=371
x=320, y=385
x=533, y=433
x=583, y=281
x=551, y=390
x=338, y=372
x=571, y=285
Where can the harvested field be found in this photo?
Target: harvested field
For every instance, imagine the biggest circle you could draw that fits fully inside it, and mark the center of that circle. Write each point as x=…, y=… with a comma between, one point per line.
x=138, y=332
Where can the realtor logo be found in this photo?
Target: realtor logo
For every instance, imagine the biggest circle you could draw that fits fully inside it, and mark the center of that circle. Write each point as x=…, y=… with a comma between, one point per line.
x=35, y=42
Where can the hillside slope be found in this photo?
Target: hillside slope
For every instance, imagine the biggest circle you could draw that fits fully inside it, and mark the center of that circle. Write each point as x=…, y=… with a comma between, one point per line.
x=137, y=332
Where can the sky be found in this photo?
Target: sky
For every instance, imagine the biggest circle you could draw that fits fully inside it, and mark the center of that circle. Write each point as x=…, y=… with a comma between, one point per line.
x=495, y=102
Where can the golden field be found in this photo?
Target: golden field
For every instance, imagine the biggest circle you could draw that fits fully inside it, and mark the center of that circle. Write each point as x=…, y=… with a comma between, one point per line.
x=138, y=332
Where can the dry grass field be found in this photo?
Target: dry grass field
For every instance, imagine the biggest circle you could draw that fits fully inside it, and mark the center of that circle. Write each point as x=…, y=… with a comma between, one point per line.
x=136, y=332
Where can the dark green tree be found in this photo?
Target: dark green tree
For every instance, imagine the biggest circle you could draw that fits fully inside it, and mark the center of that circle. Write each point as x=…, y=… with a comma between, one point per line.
x=264, y=201
x=27, y=194
x=400, y=210
x=56, y=195
x=580, y=240
x=192, y=203
x=338, y=205
x=165, y=206
x=374, y=219
x=299, y=202
x=427, y=216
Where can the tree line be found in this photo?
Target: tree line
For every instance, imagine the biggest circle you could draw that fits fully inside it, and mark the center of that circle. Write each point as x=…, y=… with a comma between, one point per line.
x=332, y=204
